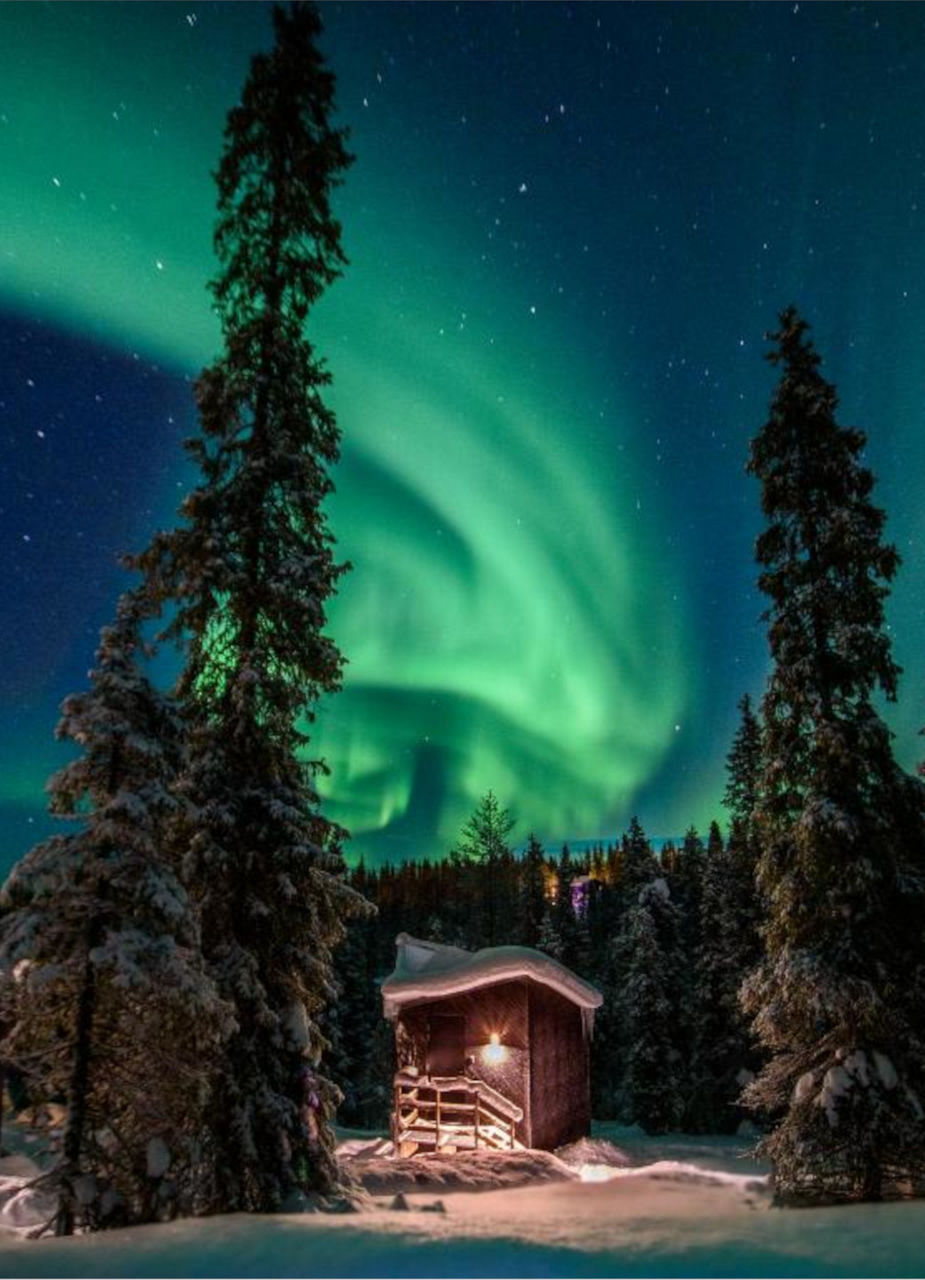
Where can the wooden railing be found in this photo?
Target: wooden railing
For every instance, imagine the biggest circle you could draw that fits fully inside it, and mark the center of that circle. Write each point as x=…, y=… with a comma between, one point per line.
x=450, y=1113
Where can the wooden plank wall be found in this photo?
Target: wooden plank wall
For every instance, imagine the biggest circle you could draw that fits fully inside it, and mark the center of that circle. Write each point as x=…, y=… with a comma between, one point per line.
x=560, y=1093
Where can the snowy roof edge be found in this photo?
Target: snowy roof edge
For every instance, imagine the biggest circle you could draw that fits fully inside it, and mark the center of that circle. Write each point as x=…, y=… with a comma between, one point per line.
x=447, y=971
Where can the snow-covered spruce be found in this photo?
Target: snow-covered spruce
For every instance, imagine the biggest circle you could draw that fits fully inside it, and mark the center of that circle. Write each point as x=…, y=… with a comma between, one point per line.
x=245, y=580
x=104, y=994
x=647, y=955
x=839, y=1002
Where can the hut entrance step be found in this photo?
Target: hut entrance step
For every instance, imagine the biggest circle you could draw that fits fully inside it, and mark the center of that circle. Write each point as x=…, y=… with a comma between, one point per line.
x=451, y=1113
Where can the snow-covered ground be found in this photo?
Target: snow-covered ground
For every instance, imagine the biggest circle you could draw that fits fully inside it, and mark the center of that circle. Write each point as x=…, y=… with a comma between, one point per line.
x=627, y=1205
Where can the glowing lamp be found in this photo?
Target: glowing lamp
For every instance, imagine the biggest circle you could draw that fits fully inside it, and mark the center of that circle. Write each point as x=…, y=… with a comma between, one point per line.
x=494, y=1052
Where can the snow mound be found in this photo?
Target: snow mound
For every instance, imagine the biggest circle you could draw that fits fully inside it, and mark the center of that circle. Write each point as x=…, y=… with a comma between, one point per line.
x=676, y=1171
x=23, y=1207
x=18, y=1164
x=354, y=1148
x=596, y=1151
x=464, y=1171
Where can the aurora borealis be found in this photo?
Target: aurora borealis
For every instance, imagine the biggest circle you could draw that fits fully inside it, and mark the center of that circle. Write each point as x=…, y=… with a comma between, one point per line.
x=569, y=227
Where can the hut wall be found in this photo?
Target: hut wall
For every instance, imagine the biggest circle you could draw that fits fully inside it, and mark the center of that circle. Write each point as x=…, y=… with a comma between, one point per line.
x=560, y=1094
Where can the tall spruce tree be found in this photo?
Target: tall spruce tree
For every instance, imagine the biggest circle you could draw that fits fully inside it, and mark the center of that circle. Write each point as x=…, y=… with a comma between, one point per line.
x=245, y=581
x=839, y=1001
x=104, y=992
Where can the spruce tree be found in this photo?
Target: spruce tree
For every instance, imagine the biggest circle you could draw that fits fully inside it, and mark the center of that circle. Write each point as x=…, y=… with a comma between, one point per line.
x=687, y=884
x=486, y=863
x=639, y=865
x=644, y=927
x=740, y=900
x=245, y=581
x=646, y=954
x=104, y=992
x=724, y=1057
x=565, y=927
x=351, y=1027
x=531, y=905
x=550, y=940
x=744, y=765
x=839, y=1001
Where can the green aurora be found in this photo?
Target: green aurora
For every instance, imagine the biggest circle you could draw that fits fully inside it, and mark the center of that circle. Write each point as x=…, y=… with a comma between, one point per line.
x=506, y=624
x=568, y=227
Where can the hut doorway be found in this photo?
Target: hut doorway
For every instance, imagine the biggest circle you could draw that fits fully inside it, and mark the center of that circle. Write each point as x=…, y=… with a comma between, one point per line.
x=446, y=1048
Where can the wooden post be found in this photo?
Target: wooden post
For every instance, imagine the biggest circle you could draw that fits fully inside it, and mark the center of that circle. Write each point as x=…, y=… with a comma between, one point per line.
x=437, y=1121
x=476, y=1120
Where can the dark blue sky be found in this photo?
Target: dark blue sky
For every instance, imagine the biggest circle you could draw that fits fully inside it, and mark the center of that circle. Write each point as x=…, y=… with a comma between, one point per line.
x=569, y=228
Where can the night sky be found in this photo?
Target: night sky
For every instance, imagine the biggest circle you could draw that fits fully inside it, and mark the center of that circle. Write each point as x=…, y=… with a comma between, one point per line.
x=569, y=227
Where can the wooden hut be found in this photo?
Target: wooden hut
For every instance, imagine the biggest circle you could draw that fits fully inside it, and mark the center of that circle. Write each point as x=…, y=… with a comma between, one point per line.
x=492, y=1047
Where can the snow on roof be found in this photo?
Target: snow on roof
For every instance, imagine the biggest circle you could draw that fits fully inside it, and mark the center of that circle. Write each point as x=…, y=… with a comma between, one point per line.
x=429, y=970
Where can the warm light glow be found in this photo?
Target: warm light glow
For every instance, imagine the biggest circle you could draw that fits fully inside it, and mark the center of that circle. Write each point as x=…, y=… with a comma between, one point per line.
x=494, y=1052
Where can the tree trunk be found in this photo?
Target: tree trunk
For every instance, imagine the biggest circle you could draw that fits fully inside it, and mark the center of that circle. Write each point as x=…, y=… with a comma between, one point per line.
x=872, y=1189
x=78, y=1092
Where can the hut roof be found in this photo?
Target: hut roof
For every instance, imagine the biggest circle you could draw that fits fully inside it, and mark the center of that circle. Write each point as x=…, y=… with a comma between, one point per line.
x=429, y=970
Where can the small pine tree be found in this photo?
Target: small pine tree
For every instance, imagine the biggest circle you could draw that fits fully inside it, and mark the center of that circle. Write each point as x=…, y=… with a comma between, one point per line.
x=246, y=580
x=564, y=925
x=484, y=854
x=839, y=1001
x=104, y=989
x=550, y=940
x=639, y=864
